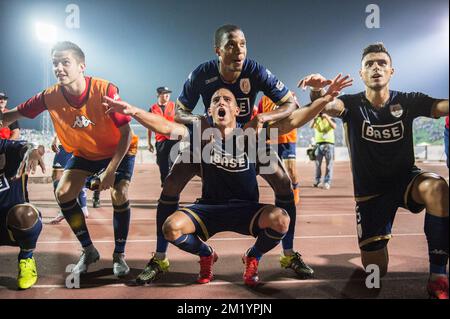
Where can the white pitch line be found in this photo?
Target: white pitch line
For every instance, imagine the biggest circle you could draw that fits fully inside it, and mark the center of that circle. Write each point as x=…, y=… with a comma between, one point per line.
x=214, y=239
x=238, y=283
x=298, y=215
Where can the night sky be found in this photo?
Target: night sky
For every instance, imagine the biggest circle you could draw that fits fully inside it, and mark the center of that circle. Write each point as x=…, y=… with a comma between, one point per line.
x=142, y=45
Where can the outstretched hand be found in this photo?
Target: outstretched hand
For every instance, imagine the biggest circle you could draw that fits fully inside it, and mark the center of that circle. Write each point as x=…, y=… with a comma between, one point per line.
x=118, y=106
x=315, y=80
x=338, y=84
x=31, y=160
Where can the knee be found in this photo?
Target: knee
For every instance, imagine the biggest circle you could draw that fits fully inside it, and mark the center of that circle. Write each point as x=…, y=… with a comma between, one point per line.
x=434, y=187
x=280, y=221
x=171, y=229
x=63, y=194
x=22, y=216
x=119, y=194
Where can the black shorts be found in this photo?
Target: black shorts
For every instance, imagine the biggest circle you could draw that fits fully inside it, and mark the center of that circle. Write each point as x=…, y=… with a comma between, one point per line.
x=375, y=216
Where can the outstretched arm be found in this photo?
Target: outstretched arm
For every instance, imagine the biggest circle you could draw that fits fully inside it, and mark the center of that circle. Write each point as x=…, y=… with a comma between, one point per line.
x=149, y=120
x=9, y=117
x=302, y=116
x=317, y=82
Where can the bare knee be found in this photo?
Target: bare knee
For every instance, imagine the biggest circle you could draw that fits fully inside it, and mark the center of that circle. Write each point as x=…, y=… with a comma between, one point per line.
x=22, y=216
x=63, y=194
x=172, y=229
x=279, y=220
x=119, y=194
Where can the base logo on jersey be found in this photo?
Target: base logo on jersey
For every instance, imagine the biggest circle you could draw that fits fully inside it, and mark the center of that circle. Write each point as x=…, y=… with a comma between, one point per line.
x=245, y=86
x=396, y=110
x=228, y=162
x=4, y=185
x=82, y=122
x=383, y=133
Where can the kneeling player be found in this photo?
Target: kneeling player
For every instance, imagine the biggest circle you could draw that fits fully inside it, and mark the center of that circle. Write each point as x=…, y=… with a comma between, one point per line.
x=20, y=222
x=230, y=191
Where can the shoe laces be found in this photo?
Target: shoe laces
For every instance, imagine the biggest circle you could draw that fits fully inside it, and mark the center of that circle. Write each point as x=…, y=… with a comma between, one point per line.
x=27, y=266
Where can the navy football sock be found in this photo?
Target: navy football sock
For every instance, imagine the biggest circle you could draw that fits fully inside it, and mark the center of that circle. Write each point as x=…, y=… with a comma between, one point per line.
x=287, y=203
x=75, y=218
x=266, y=241
x=192, y=244
x=27, y=238
x=121, y=222
x=167, y=205
x=437, y=232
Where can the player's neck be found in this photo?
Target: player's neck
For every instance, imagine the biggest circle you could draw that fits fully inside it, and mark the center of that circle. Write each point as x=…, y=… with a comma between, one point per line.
x=77, y=87
x=228, y=76
x=226, y=130
x=377, y=98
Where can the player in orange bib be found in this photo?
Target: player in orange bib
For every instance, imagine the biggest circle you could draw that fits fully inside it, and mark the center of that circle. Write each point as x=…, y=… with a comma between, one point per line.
x=286, y=146
x=101, y=144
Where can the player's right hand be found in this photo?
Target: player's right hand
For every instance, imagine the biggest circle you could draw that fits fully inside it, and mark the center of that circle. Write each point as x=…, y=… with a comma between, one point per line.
x=338, y=84
x=55, y=146
x=315, y=80
x=118, y=106
x=151, y=148
x=31, y=160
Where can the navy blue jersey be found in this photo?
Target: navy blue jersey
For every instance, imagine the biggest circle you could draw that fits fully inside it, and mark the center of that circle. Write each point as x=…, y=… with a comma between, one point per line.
x=380, y=141
x=229, y=173
x=206, y=79
x=12, y=192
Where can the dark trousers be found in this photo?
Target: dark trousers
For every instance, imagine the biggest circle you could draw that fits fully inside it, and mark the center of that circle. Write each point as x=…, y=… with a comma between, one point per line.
x=163, y=150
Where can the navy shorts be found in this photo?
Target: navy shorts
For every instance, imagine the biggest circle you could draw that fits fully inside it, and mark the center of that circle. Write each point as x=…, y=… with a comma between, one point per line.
x=61, y=158
x=235, y=215
x=287, y=151
x=374, y=217
x=124, y=171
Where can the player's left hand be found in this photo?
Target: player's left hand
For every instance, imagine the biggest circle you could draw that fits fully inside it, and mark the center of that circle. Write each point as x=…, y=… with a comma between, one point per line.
x=338, y=84
x=107, y=179
x=31, y=160
x=256, y=123
x=118, y=106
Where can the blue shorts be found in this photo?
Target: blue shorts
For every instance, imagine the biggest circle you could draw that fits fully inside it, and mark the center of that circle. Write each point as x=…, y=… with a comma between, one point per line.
x=61, y=158
x=287, y=151
x=236, y=216
x=12, y=193
x=124, y=171
x=374, y=217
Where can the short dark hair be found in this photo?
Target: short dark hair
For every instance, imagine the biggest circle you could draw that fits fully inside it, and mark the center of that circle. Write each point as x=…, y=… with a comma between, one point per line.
x=67, y=45
x=227, y=28
x=375, y=48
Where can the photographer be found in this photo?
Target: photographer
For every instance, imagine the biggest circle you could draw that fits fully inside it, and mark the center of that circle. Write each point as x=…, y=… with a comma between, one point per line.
x=324, y=127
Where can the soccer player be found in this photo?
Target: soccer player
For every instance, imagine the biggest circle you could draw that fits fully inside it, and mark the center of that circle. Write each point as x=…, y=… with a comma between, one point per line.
x=98, y=142
x=286, y=145
x=59, y=162
x=244, y=78
x=230, y=190
x=379, y=124
x=20, y=222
